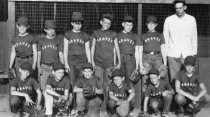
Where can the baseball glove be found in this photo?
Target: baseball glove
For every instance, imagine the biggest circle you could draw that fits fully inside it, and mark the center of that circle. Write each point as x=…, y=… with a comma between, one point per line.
x=123, y=109
x=60, y=105
x=163, y=71
x=89, y=92
x=135, y=76
x=193, y=108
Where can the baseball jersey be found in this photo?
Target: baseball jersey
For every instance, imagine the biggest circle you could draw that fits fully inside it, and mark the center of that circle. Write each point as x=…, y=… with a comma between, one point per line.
x=151, y=41
x=94, y=82
x=50, y=49
x=59, y=86
x=127, y=42
x=188, y=84
x=104, y=55
x=23, y=45
x=153, y=91
x=27, y=86
x=76, y=47
x=121, y=93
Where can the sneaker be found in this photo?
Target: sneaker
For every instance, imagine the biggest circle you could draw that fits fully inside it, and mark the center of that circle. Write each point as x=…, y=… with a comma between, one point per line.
x=80, y=114
x=73, y=112
x=104, y=114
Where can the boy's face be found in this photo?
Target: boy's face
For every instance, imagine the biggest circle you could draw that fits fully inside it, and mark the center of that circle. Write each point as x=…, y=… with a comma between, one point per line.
x=50, y=32
x=151, y=26
x=189, y=69
x=87, y=73
x=180, y=9
x=118, y=80
x=105, y=23
x=22, y=28
x=58, y=74
x=77, y=25
x=154, y=78
x=127, y=26
x=24, y=74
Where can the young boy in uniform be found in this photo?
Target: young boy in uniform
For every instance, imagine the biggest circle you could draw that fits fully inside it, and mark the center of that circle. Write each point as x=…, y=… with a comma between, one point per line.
x=190, y=89
x=120, y=94
x=49, y=52
x=58, y=91
x=22, y=90
x=88, y=89
x=76, y=47
x=152, y=49
x=102, y=50
x=24, y=46
x=128, y=45
x=158, y=94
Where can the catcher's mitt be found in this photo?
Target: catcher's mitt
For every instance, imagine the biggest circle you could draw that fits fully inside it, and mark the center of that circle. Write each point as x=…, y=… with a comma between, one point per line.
x=163, y=71
x=123, y=109
x=89, y=92
x=135, y=76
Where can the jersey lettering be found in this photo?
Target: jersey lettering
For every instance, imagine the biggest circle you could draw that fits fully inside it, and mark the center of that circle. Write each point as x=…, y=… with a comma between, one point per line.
x=126, y=40
x=76, y=41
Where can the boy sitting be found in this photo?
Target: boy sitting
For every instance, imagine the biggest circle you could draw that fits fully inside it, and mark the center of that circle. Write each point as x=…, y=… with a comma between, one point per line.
x=120, y=93
x=58, y=93
x=158, y=94
x=22, y=87
x=88, y=89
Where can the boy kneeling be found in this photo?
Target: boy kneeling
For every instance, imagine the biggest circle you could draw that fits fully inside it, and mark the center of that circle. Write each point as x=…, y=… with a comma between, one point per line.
x=189, y=88
x=22, y=98
x=121, y=94
x=158, y=94
x=58, y=91
x=88, y=90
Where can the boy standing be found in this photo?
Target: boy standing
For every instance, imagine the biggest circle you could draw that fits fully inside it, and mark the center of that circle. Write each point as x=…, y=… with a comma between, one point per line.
x=158, y=94
x=87, y=89
x=120, y=93
x=102, y=50
x=76, y=47
x=152, y=49
x=22, y=87
x=189, y=87
x=24, y=47
x=49, y=52
x=58, y=93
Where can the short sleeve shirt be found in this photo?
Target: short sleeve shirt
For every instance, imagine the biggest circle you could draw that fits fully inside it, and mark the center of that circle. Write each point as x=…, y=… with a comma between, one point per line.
x=121, y=93
x=27, y=86
x=94, y=82
x=153, y=91
x=151, y=41
x=50, y=49
x=59, y=86
x=104, y=47
x=76, y=47
x=127, y=42
x=23, y=45
x=188, y=84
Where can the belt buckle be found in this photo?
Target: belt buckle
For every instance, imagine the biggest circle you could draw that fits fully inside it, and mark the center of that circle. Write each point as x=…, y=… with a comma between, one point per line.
x=152, y=53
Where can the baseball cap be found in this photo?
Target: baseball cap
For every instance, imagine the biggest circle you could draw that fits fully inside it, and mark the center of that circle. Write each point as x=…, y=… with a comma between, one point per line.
x=190, y=60
x=22, y=21
x=26, y=66
x=58, y=66
x=128, y=18
x=117, y=72
x=77, y=16
x=87, y=66
x=151, y=18
x=178, y=1
x=108, y=16
x=154, y=71
x=50, y=24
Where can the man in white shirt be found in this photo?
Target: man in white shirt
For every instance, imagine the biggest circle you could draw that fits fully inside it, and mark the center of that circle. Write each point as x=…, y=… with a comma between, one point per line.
x=180, y=32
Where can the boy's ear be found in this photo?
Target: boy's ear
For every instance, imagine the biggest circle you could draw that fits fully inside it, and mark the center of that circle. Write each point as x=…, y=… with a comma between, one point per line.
x=123, y=24
x=72, y=23
x=101, y=21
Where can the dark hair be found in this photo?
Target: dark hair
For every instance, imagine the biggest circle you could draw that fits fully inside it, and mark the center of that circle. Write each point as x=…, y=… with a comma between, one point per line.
x=179, y=1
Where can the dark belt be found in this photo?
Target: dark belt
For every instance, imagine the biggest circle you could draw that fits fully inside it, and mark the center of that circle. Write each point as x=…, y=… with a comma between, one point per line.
x=24, y=57
x=128, y=54
x=153, y=53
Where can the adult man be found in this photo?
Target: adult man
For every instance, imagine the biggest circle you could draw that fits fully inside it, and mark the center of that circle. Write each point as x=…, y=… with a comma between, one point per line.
x=180, y=32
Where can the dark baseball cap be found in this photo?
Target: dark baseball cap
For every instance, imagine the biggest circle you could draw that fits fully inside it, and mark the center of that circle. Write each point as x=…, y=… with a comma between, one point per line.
x=151, y=18
x=87, y=66
x=178, y=1
x=26, y=66
x=117, y=72
x=49, y=24
x=154, y=71
x=77, y=16
x=58, y=66
x=22, y=21
x=128, y=19
x=108, y=16
x=190, y=60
